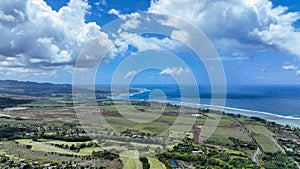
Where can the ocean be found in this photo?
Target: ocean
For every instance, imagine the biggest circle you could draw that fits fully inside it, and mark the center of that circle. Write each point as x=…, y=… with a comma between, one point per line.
x=279, y=103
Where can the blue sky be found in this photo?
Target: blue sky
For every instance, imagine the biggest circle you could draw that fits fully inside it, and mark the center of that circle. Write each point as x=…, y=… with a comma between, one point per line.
x=257, y=41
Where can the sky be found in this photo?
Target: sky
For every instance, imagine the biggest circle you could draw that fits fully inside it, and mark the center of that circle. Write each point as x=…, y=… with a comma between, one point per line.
x=257, y=41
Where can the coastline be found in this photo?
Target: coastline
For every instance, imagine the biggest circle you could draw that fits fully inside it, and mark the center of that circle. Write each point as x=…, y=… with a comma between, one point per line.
x=271, y=117
x=279, y=119
x=127, y=95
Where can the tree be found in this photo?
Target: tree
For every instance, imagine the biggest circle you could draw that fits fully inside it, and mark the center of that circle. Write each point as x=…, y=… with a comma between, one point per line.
x=28, y=146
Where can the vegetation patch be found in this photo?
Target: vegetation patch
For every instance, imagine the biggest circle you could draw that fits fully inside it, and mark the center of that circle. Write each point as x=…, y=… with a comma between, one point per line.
x=266, y=144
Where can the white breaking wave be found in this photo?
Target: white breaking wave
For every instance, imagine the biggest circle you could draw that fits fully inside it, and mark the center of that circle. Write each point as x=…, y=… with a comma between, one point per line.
x=248, y=111
x=280, y=119
x=140, y=92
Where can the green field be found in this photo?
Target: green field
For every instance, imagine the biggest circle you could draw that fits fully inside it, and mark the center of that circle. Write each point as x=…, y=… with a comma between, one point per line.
x=45, y=146
x=231, y=132
x=226, y=121
x=131, y=160
x=234, y=152
x=261, y=130
x=155, y=163
x=263, y=137
x=214, y=139
x=42, y=146
x=131, y=163
x=266, y=144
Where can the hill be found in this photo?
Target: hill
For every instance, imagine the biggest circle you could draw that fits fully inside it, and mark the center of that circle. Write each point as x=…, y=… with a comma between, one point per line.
x=33, y=88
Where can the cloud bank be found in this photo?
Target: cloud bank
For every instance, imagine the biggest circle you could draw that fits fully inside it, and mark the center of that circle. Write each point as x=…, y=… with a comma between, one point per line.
x=175, y=71
x=239, y=25
x=37, y=39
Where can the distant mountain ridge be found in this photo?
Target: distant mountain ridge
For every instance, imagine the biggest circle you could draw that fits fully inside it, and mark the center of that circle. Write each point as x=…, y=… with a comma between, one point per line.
x=33, y=88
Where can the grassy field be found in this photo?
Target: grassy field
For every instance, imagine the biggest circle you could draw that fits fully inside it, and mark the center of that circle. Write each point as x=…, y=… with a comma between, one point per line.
x=45, y=146
x=131, y=160
x=234, y=152
x=42, y=146
x=227, y=121
x=48, y=146
x=263, y=137
x=220, y=140
x=155, y=163
x=148, y=121
x=266, y=144
x=131, y=163
x=261, y=130
x=156, y=127
x=88, y=150
x=118, y=145
x=231, y=132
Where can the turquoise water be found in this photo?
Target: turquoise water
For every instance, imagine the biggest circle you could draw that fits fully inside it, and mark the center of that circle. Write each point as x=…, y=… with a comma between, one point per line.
x=173, y=163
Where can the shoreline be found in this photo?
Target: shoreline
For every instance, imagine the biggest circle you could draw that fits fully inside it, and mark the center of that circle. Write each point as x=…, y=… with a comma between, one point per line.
x=271, y=117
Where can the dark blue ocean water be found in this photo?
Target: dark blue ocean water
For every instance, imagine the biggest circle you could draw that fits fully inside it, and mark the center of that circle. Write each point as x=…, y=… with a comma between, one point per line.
x=283, y=100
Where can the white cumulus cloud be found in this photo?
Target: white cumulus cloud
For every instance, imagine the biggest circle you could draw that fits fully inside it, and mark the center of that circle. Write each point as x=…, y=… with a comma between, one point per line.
x=42, y=39
x=130, y=74
x=133, y=22
x=236, y=24
x=142, y=43
x=289, y=67
x=174, y=71
x=180, y=35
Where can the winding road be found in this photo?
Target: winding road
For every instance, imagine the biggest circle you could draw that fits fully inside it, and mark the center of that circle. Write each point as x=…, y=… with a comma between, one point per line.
x=254, y=156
